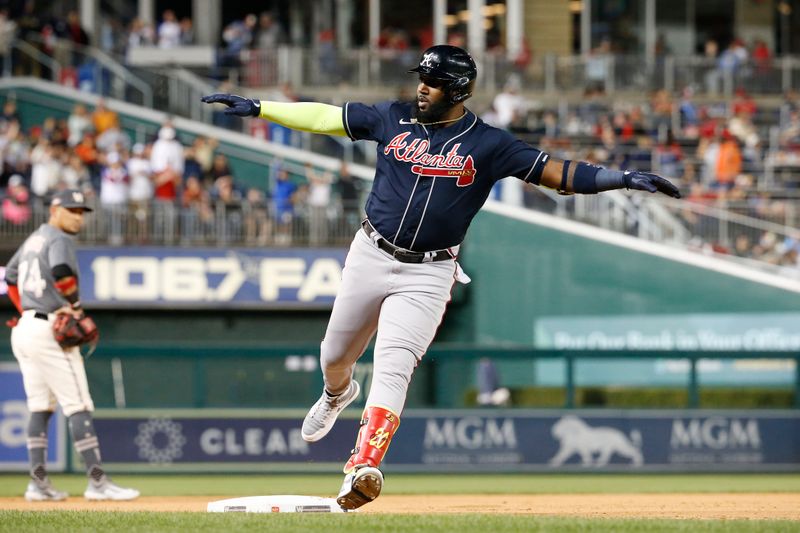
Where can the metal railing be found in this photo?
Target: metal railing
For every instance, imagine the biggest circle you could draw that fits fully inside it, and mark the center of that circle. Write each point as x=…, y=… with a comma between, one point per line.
x=722, y=231
x=366, y=67
x=220, y=224
x=85, y=67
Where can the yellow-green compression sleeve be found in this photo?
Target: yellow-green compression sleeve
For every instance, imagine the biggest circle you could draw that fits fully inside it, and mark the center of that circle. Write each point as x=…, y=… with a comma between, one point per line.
x=306, y=116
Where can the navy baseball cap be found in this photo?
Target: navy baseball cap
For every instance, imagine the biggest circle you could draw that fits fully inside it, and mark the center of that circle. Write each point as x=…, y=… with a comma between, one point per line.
x=70, y=199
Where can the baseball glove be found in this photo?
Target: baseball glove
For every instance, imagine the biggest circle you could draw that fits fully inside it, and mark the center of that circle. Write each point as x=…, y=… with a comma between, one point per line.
x=70, y=331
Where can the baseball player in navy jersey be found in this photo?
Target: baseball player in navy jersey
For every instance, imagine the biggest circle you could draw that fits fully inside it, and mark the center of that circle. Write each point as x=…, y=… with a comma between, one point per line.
x=42, y=279
x=436, y=165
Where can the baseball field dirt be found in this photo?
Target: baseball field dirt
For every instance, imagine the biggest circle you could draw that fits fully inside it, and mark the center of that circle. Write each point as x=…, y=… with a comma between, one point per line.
x=711, y=506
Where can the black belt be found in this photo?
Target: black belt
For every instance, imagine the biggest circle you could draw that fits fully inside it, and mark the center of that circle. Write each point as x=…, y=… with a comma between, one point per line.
x=42, y=316
x=401, y=254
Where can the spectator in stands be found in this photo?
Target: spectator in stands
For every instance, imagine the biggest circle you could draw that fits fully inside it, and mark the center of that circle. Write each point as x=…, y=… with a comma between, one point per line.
x=639, y=157
x=113, y=38
x=16, y=207
x=690, y=116
x=169, y=31
x=237, y=36
x=283, y=199
x=75, y=175
x=728, y=65
x=743, y=103
x=219, y=167
x=166, y=160
x=191, y=166
x=728, y=164
x=141, y=191
x=113, y=139
x=509, y=104
x=140, y=34
x=790, y=130
x=87, y=151
x=78, y=123
x=103, y=117
x=197, y=213
x=114, y=187
x=52, y=129
x=328, y=55
x=16, y=152
x=8, y=29
x=762, y=63
x=227, y=200
x=30, y=26
x=45, y=168
x=661, y=109
x=187, y=32
x=318, y=201
x=204, y=149
x=269, y=34
x=606, y=133
x=9, y=113
x=742, y=128
x=72, y=31
x=257, y=225
x=668, y=157
x=597, y=66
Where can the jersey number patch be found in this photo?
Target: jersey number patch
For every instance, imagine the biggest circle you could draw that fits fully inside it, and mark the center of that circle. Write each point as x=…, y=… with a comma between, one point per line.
x=30, y=278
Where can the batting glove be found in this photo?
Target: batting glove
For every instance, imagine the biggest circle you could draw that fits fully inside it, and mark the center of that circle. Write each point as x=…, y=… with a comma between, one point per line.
x=645, y=181
x=12, y=322
x=237, y=105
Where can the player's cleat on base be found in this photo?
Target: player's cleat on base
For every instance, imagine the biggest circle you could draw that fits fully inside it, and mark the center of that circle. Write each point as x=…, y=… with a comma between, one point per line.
x=360, y=487
x=105, y=489
x=43, y=491
x=322, y=415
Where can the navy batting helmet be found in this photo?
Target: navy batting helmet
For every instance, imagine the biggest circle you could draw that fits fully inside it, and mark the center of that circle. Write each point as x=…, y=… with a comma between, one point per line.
x=454, y=66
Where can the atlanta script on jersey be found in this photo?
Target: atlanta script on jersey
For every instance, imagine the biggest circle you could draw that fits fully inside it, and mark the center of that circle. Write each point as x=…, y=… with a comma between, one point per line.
x=431, y=182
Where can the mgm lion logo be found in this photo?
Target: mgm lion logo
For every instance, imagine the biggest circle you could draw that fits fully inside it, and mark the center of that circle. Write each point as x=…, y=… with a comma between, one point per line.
x=577, y=437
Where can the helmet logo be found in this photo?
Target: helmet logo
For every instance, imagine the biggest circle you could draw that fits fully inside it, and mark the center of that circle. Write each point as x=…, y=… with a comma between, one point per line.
x=427, y=60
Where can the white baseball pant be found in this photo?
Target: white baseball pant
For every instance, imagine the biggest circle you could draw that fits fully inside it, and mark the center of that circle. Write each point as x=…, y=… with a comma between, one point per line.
x=50, y=373
x=403, y=302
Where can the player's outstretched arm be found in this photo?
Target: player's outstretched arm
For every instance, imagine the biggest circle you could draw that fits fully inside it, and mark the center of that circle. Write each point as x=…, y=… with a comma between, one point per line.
x=569, y=177
x=314, y=117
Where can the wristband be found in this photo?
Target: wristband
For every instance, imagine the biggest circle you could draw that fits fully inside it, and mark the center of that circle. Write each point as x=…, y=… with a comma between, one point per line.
x=610, y=179
x=564, y=174
x=585, y=179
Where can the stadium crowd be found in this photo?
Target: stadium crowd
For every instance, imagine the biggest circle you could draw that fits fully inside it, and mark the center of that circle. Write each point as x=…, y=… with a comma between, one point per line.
x=740, y=154
x=736, y=155
x=165, y=191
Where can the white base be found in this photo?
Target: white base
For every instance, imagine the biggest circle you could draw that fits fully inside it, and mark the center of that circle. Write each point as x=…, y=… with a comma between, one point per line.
x=276, y=504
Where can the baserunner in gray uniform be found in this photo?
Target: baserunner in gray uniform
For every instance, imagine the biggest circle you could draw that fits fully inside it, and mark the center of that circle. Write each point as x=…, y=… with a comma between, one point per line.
x=42, y=279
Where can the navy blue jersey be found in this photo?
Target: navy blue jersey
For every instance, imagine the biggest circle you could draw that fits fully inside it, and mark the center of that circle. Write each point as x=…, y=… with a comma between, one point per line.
x=431, y=182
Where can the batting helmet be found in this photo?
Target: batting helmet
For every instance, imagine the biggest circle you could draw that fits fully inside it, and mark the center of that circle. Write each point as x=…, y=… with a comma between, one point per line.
x=454, y=66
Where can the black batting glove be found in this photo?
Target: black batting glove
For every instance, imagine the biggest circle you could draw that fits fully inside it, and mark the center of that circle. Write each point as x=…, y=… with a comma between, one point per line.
x=237, y=105
x=646, y=181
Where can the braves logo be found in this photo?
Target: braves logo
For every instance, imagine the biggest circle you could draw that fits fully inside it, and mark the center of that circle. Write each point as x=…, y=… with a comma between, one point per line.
x=427, y=60
x=449, y=165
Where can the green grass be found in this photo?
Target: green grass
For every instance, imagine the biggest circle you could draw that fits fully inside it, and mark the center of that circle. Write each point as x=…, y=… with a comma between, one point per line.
x=107, y=522
x=327, y=485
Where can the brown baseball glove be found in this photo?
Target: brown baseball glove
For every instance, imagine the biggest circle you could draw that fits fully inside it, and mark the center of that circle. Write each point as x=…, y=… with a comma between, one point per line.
x=70, y=331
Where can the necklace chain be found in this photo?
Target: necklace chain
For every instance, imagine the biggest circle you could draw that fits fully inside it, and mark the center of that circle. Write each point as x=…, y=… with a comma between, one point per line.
x=440, y=121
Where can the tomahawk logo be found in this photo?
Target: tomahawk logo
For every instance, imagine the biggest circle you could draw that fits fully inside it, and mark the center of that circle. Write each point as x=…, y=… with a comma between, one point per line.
x=579, y=438
x=427, y=60
x=449, y=165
